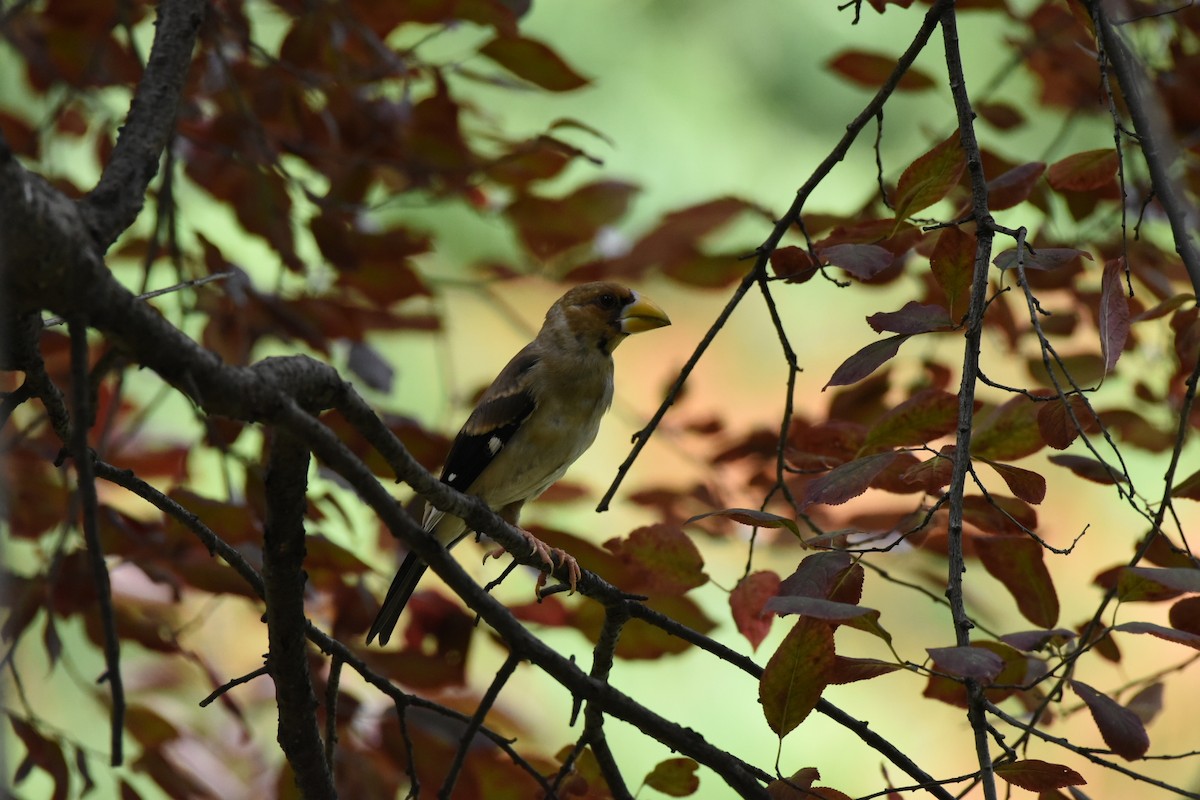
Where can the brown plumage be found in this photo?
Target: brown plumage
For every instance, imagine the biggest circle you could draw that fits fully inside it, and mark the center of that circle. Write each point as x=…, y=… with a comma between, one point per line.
x=540, y=414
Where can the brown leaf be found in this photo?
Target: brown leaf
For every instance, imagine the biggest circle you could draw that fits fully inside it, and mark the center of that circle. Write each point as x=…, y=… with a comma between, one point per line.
x=534, y=61
x=847, y=481
x=1025, y=484
x=872, y=70
x=793, y=263
x=1038, y=776
x=866, y=361
x=1191, y=640
x=953, y=265
x=1083, y=172
x=851, y=670
x=863, y=261
x=796, y=675
x=675, y=777
x=1147, y=703
x=1055, y=421
x=1088, y=468
x=930, y=178
x=913, y=318
x=1113, y=320
x=1123, y=732
x=1013, y=187
x=824, y=575
x=747, y=601
x=975, y=663
x=1007, y=432
x=1043, y=259
x=927, y=415
x=665, y=558
x=1185, y=615
x=1018, y=562
x=752, y=517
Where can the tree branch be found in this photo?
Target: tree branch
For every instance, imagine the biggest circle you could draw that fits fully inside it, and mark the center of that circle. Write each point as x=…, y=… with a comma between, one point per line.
x=283, y=579
x=117, y=199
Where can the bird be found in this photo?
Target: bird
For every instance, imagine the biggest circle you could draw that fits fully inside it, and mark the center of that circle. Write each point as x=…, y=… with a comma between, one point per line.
x=536, y=418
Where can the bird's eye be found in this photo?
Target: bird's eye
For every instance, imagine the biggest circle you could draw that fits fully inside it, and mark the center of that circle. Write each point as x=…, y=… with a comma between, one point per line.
x=607, y=301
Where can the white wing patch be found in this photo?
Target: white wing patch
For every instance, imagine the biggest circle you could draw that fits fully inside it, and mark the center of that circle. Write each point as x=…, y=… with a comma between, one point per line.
x=494, y=445
x=450, y=478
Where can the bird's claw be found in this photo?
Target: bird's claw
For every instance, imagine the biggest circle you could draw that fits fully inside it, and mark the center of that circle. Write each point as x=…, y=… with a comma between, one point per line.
x=548, y=555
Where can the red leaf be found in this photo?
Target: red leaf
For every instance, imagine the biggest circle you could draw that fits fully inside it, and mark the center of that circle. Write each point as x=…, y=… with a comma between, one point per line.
x=1039, y=776
x=1083, y=172
x=873, y=70
x=793, y=263
x=927, y=415
x=1007, y=432
x=747, y=601
x=675, y=777
x=864, y=619
x=847, y=481
x=1013, y=187
x=1188, y=488
x=1113, y=321
x=1018, y=563
x=1000, y=515
x=1191, y=640
x=796, y=675
x=1088, y=468
x=913, y=318
x=863, y=261
x=534, y=61
x=1032, y=641
x=866, y=361
x=1123, y=732
x=1056, y=424
x=548, y=227
x=953, y=266
x=824, y=575
x=1002, y=116
x=665, y=559
x=1025, y=484
x=930, y=178
x=967, y=662
x=1044, y=259
x=48, y=755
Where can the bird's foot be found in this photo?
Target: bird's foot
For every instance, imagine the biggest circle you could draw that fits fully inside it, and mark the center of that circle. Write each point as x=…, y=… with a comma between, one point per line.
x=548, y=555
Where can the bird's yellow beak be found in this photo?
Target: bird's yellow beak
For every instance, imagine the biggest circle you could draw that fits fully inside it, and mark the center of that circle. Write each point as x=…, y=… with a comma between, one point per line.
x=642, y=315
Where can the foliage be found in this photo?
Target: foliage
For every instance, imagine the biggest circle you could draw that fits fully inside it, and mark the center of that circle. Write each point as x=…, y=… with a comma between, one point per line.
x=1045, y=340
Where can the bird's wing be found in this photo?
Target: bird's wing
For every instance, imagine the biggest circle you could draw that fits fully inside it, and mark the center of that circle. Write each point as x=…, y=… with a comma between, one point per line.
x=502, y=410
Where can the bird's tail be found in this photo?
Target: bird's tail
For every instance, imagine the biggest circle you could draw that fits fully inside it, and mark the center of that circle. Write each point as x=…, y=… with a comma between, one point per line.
x=397, y=597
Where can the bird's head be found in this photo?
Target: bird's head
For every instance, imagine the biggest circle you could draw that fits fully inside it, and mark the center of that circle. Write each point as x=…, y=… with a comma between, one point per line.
x=604, y=313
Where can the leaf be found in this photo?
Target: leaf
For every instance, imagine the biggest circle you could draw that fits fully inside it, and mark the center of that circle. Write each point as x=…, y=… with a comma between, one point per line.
x=927, y=415
x=1044, y=259
x=863, y=261
x=1006, y=516
x=665, y=559
x=1088, y=468
x=847, y=481
x=1185, y=615
x=851, y=670
x=1122, y=731
x=752, y=517
x=1025, y=484
x=1038, y=776
x=1013, y=187
x=1083, y=172
x=675, y=777
x=1188, y=488
x=913, y=318
x=873, y=70
x=1114, y=313
x=1014, y=670
x=1056, y=424
x=48, y=755
x=1154, y=583
x=953, y=265
x=1007, y=432
x=1032, y=641
x=975, y=663
x=866, y=361
x=825, y=575
x=1191, y=640
x=534, y=61
x=747, y=601
x=1147, y=703
x=796, y=675
x=930, y=178
x=864, y=619
x=1018, y=562
x=792, y=263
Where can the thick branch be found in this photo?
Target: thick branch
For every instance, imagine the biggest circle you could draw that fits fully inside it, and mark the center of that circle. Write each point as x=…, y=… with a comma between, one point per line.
x=1153, y=128
x=116, y=201
x=283, y=578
